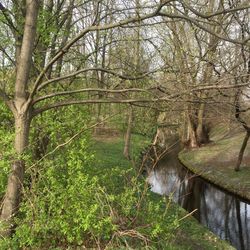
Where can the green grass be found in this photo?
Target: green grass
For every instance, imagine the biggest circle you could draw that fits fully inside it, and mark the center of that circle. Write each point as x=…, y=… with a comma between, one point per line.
x=189, y=235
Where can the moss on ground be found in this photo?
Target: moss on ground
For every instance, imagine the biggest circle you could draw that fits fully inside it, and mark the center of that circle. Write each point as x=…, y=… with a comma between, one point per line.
x=190, y=235
x=216, y=161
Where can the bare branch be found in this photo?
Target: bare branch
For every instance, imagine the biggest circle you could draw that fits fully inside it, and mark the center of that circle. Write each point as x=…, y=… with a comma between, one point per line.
x=169, y=98
x=112, y=72
x=7, y=55
x=95, y=101
x=113, y=91
x=7, y=16
x=197, y=23
x=244, y=6
x=86, y=31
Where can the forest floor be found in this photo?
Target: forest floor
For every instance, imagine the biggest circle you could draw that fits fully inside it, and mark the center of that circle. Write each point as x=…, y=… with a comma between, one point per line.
x=190, y=235
x=216, y=161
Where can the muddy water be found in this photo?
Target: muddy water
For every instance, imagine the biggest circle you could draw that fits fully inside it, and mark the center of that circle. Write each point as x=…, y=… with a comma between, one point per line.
x=223, y=213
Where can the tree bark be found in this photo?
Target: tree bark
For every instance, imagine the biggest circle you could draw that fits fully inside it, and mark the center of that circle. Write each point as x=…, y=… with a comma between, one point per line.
x=192, y=137
x=22, y=114
x=23, y=69
x=126, y=151
x=201, y=132
x=242, y=150
x=65, y=37
x=15, y=180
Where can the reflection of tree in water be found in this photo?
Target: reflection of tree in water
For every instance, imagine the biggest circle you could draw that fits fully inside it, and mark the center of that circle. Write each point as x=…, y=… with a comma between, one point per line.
x=240, y=231
x=247, y=230
x=191, y=199
x=221, y=212
x=228, y=205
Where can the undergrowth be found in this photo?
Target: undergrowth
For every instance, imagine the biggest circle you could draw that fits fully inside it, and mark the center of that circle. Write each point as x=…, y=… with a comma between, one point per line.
x=84, y=194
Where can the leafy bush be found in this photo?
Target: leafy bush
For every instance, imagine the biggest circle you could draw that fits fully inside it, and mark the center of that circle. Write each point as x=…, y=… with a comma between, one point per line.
x=63, y=207
x=73, y=199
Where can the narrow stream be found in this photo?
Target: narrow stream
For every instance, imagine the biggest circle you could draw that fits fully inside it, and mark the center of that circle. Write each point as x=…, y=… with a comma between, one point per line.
x=223, y=213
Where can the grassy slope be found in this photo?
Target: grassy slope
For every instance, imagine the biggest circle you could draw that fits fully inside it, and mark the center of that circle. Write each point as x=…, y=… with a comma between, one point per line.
x=191, y=235
x=215, y=162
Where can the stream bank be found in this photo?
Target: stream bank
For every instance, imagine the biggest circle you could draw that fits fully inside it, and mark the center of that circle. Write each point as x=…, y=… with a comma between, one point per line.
x=190, y=234
x=223, y=213
x=215, y=162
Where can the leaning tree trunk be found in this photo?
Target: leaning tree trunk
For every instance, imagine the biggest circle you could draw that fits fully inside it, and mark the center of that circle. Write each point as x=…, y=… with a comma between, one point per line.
x=15, y=180
x=242, y=150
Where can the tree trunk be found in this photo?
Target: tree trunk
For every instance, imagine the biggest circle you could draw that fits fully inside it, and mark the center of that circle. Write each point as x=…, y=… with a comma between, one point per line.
x=242, y=150
x=201, y=132
x=192, y=139
x=126, y=151
x=183, y=131
x=65, y=37
x=15, y=180
x=22, y=114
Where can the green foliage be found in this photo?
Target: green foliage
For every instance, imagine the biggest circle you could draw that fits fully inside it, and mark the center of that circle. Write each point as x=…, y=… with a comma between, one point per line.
x=45, y=26
x=144, y=121
x=6, y=145
x=142, y=217
x=5, y=158
x=68, y=206
x=85, y=194
x=64, y=203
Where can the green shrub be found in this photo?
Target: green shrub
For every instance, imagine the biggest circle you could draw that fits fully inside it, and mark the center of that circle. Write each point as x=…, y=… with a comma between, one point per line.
x=77, y=197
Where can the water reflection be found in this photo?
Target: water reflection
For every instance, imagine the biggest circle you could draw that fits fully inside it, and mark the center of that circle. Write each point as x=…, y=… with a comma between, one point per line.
x=224, y=214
